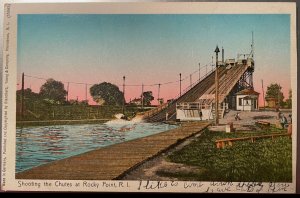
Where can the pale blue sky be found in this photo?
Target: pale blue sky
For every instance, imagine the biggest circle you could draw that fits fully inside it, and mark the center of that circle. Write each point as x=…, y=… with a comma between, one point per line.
x=148, y=48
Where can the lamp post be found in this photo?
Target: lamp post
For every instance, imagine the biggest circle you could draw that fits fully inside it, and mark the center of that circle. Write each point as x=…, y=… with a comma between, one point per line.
x=180, y=84
x=217, y=89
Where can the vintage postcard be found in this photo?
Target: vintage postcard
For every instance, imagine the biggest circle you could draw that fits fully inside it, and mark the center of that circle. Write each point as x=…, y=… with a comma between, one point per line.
x=149, y=97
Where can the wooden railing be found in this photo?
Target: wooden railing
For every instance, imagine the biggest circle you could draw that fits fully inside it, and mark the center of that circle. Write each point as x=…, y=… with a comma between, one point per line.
x=229, y=141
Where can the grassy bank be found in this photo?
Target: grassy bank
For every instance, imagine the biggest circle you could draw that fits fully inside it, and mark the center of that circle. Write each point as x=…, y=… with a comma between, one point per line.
x=263, y=161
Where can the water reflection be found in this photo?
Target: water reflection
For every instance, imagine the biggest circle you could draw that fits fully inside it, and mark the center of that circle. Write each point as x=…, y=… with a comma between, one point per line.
x=39, y=145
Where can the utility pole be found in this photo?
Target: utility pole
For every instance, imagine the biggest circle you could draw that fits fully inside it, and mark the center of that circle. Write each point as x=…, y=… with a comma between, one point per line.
x=217, y=89
x=85, y=92
x=123, y=107
x=142, y=96
x=252, y=45
x=191, y=82
x=180, y=84
x=262, y=85
x=199, y=72
x=278, y=97
x=212, y=63
x=68, y=91
x=158, y=94
x=22, y=98
x=206, y=70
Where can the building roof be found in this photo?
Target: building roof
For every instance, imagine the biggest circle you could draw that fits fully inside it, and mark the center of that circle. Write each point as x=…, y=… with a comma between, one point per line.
x=250, y=97
x=247, y=92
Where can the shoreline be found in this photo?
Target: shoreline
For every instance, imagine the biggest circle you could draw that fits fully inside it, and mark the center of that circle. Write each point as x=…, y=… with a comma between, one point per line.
x=20, y=124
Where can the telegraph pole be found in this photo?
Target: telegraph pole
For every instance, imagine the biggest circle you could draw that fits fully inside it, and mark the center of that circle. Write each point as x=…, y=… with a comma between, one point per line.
x=142, y=96
x=191, y=82
x=22, y=98
x=217, y=89
x=180, y=84
x=262, y=85
x=212, y=63
x=199, y=72
x=158, y=94
x=68, y=91
x=123, y=107
x=85, y=92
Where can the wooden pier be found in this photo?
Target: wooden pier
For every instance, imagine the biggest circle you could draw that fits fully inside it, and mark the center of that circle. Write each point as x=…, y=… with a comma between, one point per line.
x=111, y=162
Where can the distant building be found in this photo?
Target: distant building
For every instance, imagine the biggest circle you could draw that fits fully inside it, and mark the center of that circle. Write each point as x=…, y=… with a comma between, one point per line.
x=136, y=101
x=247, y=100
x=271, y=102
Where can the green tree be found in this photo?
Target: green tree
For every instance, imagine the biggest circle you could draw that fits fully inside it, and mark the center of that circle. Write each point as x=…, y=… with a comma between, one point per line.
x=29, y=95
x=274, y=91
x=107, y=93
x=147, y=97
x=53, y=91
x=289, y=100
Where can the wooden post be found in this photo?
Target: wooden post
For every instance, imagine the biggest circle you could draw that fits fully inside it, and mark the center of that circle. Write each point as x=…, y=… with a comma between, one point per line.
x=223, y=144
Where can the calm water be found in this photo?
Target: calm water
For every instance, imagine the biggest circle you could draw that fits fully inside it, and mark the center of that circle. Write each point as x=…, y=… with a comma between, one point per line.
x=40, y=145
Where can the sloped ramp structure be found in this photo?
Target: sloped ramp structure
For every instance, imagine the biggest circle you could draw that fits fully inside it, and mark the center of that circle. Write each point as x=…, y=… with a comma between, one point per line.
x=203, y=91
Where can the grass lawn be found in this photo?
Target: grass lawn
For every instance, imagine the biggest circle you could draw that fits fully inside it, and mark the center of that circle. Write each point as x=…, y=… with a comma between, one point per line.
x=265, y=160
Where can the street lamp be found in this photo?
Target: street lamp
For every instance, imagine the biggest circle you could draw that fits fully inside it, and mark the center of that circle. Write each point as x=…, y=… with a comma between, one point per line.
x=217, y=89
x=180, y=84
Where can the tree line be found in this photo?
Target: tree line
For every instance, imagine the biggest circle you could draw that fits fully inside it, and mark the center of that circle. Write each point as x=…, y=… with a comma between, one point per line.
x=104, y=93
